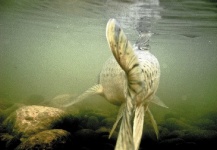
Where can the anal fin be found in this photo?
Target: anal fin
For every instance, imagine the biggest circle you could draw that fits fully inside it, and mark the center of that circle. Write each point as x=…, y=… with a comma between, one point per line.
x=153, y=122
x=120, y=115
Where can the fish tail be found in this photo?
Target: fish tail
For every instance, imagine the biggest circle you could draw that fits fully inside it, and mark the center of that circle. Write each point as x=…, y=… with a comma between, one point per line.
x=127, y=59
x=125, y=55
x=138, y=125
x=96, y=89
x=125, y=135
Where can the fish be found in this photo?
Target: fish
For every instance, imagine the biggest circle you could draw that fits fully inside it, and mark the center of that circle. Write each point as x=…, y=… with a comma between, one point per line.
x=128, y=79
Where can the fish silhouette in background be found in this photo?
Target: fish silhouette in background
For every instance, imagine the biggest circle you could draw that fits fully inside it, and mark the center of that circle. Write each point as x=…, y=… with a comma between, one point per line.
x=129, y=79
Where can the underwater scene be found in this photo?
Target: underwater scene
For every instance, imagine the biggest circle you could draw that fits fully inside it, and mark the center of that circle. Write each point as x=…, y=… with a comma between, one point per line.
x=52, y=51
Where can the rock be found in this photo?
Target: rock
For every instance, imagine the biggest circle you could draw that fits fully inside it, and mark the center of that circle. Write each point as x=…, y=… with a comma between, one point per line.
x=175, y=124
x=54, y=139
x=91, y=139
x=114, y=136
x=177, y=143
x=67, y=122
x=104, y=134
x=3, y=129
x=163, y=132
x=9, y=110
x=103, y=131
x=175, y=134
x=29, y=120
x=8, y=141
x=86, y=138
x=108, y=146
x=201, y=136
x=93, y=123
x=206, y=124
x=211, y=115
x=86, y=135
x=108, y=122
x=172, y=142
x=4, y=138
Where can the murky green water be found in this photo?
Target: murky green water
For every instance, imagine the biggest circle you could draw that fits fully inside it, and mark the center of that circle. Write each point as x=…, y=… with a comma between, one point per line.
x=56, y=47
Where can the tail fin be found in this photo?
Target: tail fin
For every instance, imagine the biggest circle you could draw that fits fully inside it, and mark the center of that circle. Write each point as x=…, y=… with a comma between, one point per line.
x=138, y=125
x=125, y=55
x=127, y=59
x=96, y=89
x=125, y=135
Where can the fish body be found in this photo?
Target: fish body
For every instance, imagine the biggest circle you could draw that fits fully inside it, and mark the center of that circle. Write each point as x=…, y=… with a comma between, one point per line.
x=129, y=79
x=113, y=78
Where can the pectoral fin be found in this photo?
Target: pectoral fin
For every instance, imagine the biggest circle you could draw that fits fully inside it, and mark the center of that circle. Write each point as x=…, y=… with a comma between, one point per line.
x=156, y=100
x=96, y=89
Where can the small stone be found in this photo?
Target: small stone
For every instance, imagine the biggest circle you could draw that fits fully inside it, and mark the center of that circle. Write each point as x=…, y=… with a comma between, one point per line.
x=92, y=123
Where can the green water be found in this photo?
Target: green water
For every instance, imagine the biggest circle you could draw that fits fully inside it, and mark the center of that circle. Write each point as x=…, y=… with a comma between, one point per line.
x=55, y=47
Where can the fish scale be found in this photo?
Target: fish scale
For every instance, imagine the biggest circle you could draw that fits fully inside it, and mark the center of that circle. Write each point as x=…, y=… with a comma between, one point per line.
x=113, y=78
x=112, y=81
x=129, y=79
